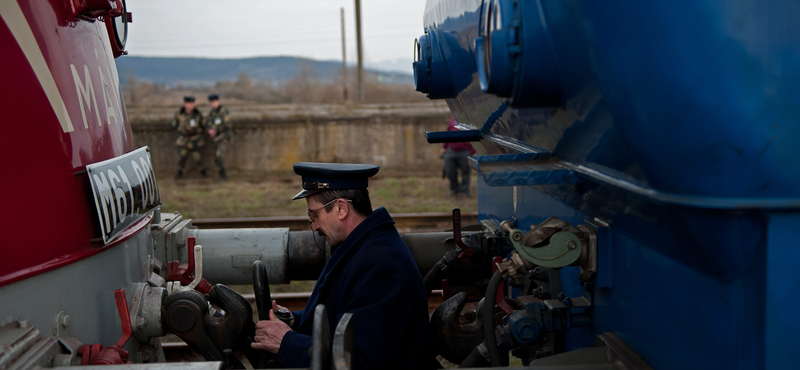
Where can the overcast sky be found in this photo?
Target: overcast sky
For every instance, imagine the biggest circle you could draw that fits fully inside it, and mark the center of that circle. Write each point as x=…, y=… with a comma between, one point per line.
x=307, y=28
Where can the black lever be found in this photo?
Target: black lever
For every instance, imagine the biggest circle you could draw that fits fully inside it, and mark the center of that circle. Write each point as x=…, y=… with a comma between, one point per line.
x=261, y=290
x=263, y=305
x=263, y=298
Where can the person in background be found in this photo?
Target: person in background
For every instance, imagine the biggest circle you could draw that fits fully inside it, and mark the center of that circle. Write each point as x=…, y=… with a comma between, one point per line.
x=370, y=274
x=455, y=159
x=219, y=129
x=189, y=123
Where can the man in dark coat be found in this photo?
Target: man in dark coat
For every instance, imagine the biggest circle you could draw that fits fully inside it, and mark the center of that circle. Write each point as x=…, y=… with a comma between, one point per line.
x=370, y=273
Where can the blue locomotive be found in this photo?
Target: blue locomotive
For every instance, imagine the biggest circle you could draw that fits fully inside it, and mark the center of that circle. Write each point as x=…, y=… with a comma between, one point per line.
x=641, y=159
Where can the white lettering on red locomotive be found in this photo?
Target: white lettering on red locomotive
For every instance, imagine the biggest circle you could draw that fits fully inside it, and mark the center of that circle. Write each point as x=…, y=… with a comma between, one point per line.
x=110, y=112
x=86, y=92
x=114, y=82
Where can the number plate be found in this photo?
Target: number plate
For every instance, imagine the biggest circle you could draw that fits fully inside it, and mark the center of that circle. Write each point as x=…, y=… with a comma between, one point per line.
x=124, y=190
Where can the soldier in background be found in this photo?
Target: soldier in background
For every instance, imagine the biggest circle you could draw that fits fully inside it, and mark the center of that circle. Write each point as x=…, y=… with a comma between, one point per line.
x=189, y=122
x=219, y=129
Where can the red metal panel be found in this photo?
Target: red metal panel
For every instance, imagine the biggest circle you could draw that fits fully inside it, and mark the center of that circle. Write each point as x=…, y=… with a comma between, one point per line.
x=48, y=218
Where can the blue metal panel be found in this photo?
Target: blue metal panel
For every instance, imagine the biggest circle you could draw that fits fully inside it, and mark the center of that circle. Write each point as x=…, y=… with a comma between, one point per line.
x=675, y=317
x=500, y=203
x=529, y=174
x=675, y=95
x=782, y=321
x=524, y=169
x=679, y=129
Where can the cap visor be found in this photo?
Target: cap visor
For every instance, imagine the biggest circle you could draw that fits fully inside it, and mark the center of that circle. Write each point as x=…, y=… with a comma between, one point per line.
x=304, y=193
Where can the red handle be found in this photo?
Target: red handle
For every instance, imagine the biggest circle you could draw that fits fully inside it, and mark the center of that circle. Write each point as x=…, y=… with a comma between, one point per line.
x=189, y=273
x=500, y=299
x=124, y=317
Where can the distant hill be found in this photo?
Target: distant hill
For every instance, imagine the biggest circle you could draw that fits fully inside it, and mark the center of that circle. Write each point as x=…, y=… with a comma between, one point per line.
x=204, y=72
x=401, y=65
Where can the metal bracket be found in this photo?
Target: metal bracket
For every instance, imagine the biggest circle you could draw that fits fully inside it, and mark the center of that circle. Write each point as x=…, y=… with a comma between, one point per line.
x=145, y=312
x=553, y=243
x=320, y=340
x=343, y=343
x=588, y=257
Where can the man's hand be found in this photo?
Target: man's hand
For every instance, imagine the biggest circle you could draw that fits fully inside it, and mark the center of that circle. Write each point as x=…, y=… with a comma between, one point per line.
x=277, y=307
x=269, y=333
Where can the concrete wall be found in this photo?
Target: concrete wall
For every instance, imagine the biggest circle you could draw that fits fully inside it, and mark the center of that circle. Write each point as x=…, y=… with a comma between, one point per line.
x=274, y=144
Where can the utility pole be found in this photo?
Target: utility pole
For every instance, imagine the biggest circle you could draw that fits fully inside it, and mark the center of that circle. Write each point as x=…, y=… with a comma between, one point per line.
x=358, y=51
x=344, y=59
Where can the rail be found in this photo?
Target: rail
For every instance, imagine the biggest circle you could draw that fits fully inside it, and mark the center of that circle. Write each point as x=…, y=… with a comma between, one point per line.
x=417, y=222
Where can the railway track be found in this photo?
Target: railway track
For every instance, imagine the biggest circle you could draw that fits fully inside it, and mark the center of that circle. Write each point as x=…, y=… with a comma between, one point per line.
x=405, y=222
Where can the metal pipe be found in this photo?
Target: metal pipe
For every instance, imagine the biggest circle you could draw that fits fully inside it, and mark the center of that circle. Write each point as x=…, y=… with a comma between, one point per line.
x=308, y=253
x=228, y=254
x=428, y=248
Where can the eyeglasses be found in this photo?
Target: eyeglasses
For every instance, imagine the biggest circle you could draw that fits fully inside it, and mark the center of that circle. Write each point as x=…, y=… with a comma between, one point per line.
x=312, y=214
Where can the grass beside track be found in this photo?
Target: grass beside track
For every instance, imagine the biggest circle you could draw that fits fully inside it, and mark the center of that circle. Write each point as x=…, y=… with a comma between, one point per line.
x=269, y=194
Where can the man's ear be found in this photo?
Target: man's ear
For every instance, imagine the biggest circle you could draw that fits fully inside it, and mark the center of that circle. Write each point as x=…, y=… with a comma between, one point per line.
x=344, y=210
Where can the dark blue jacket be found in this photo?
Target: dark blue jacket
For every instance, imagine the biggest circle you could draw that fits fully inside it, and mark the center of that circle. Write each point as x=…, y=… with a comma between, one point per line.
x=373, y=275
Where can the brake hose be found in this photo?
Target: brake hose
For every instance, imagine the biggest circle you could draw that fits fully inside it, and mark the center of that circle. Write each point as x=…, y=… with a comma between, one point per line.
x=488, y=318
